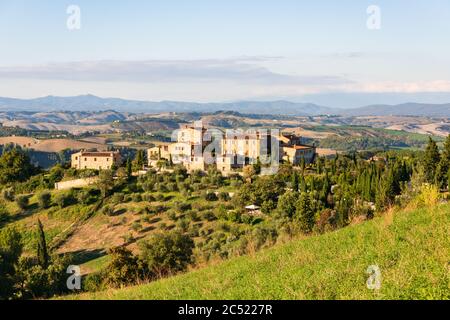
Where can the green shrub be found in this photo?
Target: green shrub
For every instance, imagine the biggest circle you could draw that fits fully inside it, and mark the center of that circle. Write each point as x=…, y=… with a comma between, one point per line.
x=136, y=197
x=208, y=216
x=172, y=215
x=128, y=238
x=162, y=226
x=63, y=200
x=93, y=282
x=39, y=282
x=44, y=199
x=224, y=196
x=234, y=216
x=193, y=215
x=264, y=235
x=327, y=221
x=247, y=218
x=85, y=197
x=211, y=196
x=172, y=187
x=183, y=224
x=108, y=210
x=194, y=231
x=167, y=253
x=118, y=197
x=162, y=188
x=8, y=194
x=182, y=206
x=123, y=270
x=147, y=218
x=148, y=197
x=22, y=201
x=4, y=214
x=136, y=226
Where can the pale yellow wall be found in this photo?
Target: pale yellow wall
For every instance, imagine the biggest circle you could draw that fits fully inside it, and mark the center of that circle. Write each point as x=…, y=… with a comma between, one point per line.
x=294, y=156
x=155, y=152
x=81, y=161
x=245, y=145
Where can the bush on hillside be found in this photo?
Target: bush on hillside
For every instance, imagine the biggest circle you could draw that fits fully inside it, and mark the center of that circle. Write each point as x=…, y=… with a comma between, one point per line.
x=136, y=197
x=224, y=196
x=64, y=200
x=211, y=196
x=4, y=214
x=22, y=201
x=8, y=194
x=86, y=197
x=167, y=253
x=108, y=210
x=123, y=270
x=117, y=198
x=44, y=199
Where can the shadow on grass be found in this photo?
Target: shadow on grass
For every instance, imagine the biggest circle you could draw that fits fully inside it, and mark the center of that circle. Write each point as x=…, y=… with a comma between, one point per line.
x=119, y=212
x=28, y=212
x=155, y=220
x=83, y=256
x=147, y=229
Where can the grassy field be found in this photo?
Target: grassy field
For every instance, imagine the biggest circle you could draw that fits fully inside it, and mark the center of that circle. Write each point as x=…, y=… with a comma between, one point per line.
x=411, y=248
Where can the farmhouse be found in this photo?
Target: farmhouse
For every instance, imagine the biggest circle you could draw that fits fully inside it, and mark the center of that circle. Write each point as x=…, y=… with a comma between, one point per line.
x=95, y=160
x=295, y=153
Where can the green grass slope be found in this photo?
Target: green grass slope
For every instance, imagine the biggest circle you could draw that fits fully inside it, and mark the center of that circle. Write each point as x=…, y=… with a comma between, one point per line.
x=411, y=248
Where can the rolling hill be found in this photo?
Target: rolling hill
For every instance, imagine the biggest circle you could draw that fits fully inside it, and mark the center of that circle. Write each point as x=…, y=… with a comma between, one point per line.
x=410, y=247
x=90, y=102
x=405, y=109
x=51, y=145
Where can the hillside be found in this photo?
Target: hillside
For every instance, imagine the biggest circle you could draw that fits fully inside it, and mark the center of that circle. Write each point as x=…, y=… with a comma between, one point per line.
x=86, y=103
x=410, y=247
x=405, y=109
x=50, y=145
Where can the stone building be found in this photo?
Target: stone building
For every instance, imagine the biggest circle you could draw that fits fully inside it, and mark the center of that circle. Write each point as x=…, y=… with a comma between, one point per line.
x=95, y=160
x=196, y=148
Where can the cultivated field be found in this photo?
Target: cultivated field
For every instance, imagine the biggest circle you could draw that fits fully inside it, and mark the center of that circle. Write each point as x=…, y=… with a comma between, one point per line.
x=51, y=145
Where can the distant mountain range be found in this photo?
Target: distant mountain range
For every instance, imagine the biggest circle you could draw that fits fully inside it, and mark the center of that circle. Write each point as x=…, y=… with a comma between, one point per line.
x=94, y=103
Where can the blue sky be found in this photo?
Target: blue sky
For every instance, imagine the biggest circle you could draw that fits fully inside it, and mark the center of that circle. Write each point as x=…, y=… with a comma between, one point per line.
x=202, y=50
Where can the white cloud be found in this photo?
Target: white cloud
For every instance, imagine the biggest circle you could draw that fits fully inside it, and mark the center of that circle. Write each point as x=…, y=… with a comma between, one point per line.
x=208, y=80
x=243, y=70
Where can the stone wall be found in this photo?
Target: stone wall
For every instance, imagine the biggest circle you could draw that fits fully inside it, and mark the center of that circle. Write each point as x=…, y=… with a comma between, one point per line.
x=78, y=183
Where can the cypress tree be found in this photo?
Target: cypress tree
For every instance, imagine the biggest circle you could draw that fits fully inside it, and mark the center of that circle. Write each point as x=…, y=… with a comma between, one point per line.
x=294, y=181
x=431, y=160
x=42, y=253
x=302, y=164
x=386, y=191
x=304, y=213
x=448, y=179
x=319, y=166
x=129, y=168
x=444, y=165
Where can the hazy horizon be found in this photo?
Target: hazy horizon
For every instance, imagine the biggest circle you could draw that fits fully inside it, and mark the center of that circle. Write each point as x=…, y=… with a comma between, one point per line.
x=324, y=53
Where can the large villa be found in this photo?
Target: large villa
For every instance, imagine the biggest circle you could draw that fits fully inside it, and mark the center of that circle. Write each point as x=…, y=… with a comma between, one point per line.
x=196, y=147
